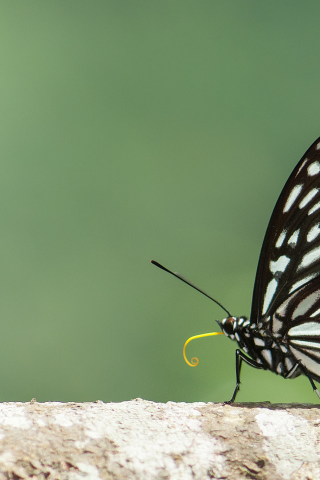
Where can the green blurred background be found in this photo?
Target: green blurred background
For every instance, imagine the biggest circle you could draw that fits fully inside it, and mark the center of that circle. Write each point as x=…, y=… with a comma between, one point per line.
x=136, y=130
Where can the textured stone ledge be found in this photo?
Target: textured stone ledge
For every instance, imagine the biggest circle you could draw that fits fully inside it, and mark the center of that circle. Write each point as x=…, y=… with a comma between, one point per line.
x=145, y=440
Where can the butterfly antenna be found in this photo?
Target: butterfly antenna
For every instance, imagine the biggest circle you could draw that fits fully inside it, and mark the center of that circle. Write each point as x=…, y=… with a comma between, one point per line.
x=191, y=285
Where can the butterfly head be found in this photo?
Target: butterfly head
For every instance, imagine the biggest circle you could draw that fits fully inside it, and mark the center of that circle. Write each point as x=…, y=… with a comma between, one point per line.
x=230, y=326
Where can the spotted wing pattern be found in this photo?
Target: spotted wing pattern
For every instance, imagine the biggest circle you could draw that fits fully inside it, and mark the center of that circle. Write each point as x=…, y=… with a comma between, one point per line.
x=290, y=254
x=286, y=297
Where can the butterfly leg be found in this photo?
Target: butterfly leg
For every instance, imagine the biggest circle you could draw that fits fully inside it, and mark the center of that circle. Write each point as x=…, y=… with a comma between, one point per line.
x=300, y=365
x=239, y=358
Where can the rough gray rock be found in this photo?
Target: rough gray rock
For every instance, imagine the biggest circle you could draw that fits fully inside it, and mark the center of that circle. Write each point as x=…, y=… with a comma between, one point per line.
x=145, y=440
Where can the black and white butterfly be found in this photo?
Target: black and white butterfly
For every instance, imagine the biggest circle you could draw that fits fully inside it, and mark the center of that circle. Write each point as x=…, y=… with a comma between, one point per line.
x=283, y=332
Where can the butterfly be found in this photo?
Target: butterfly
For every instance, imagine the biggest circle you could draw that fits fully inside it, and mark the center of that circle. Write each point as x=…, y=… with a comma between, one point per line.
x=283, y=331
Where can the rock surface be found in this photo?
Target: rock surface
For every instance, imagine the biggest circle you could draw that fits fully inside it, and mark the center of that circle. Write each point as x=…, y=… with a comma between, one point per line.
x=144, y=440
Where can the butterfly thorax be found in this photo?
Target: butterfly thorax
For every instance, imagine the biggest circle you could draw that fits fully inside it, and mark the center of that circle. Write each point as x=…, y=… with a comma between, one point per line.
x=260, y=344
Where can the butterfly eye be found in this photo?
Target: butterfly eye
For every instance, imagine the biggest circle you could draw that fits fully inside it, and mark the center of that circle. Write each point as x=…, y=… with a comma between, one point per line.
x=228, y=325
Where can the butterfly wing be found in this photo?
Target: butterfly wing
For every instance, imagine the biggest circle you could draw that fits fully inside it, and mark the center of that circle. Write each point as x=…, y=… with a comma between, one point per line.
x=290, y=256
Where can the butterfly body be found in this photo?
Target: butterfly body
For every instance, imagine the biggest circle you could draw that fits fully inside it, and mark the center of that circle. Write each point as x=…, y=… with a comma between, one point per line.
x=270, y=351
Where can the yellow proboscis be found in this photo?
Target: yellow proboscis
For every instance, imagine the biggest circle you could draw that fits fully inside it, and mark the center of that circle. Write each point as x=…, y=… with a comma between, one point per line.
x=194, y=361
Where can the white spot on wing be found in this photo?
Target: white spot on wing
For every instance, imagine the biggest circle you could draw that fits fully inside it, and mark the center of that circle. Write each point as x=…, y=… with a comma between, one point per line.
x=258, y=341
x=313, y=169
x=303, y=281
x=318, y=146
x=276, y=325
x=267, y=356
x=303, y=164
x=315, y=313
x=312, y=351
x=281, y=239
x=271, y=290
x=288, y=363
x=295, y=192
x=305, y=343
x=314, y=208
x=279, y=368
x=313, y=232
x=294, y=238
x=305, y=329
x=308, y=197
x=279, y=265
x=309, y=258
x=306, y=304
x=282, y=309
x=312, y=365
